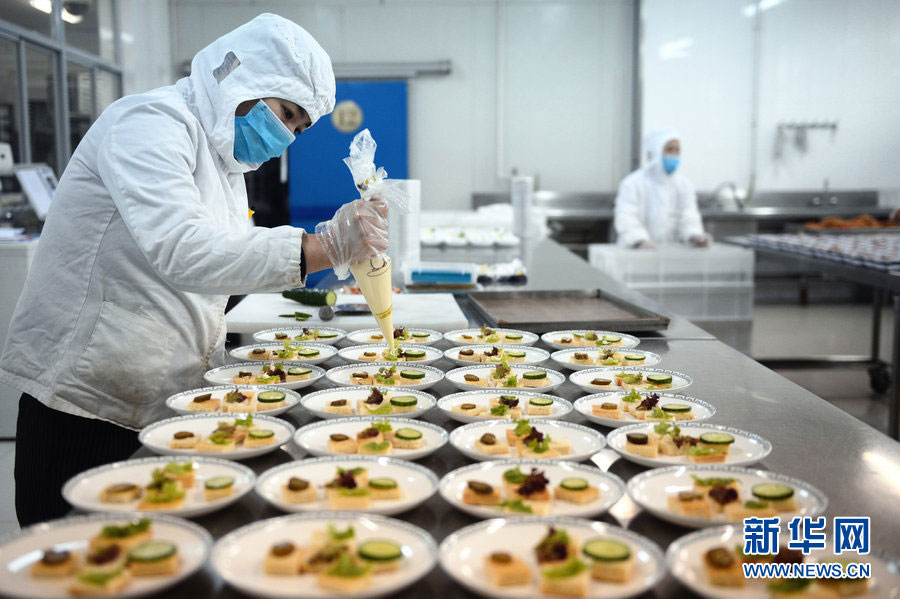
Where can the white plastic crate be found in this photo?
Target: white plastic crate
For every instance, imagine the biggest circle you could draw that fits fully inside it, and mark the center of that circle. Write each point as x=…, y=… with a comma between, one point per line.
x=723, y=301
x=674, y=264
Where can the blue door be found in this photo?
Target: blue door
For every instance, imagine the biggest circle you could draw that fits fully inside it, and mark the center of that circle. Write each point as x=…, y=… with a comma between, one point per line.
x=318, y=180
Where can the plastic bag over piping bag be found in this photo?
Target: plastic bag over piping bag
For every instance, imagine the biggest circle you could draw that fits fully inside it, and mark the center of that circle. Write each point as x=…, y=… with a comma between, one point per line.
x=372, y=182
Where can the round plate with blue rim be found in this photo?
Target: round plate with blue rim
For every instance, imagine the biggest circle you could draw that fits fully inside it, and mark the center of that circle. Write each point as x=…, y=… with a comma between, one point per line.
x=593, y=357
x=610, y=487
x=224, y=375
x=514, y=354
x=315, y=353
x=180, y=402
x=342, y=375
x=584, y=379
x=607, y=339
x=457, y=376
x=301, y=334
x=317, y=402
x=21, y=549
x=416, y=483
x=83, y=490
x=158, y=436
x=237, y=557
x=482, y=398
x=463, y=554
x=313, y=438
x=651, y=491
x=583, y=441
x=354, y=354
x=746, y=448
x=699, y=409
x=417, y=336
x=501, y=336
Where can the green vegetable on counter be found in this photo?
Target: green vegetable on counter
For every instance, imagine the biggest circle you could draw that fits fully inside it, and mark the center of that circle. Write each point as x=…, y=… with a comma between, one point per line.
x=311, y=296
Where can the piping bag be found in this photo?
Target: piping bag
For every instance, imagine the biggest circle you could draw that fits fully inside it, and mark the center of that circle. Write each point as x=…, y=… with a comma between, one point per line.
x=374, y=274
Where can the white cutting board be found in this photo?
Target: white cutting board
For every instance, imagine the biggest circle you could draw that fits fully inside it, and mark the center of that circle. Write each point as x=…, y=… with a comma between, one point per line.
x=258, y=311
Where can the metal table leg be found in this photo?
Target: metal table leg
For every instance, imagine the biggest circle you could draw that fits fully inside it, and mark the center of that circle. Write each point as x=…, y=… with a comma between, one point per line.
x=894, y=408
x=878, y=303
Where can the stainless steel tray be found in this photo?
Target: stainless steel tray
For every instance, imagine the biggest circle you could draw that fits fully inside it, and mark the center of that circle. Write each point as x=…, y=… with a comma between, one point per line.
x=544, y=311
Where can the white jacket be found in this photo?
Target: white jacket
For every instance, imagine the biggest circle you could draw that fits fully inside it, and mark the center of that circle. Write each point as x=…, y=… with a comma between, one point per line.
x=149, y=233
x=652, y=205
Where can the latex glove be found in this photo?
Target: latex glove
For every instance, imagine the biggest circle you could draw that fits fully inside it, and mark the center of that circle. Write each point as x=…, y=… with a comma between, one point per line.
x=358, y=230
x=644, y=244
x=701, y=241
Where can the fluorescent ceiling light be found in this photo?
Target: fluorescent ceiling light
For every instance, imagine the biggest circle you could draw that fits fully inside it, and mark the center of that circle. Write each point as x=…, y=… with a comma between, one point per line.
x=47, y=7
x=750, y=9
x=680, y=48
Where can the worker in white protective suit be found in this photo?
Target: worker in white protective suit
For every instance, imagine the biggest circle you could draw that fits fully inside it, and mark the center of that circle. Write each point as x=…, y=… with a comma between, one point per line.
x=148, y=234
x=656, y=205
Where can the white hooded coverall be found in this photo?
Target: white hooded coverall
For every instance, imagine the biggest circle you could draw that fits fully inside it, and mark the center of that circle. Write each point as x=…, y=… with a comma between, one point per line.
x=149, y=233
x=654, y=206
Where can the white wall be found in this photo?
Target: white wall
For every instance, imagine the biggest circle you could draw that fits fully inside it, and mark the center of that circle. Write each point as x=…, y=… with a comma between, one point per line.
x=147, y=60
x=565, y=114
x=819, y=60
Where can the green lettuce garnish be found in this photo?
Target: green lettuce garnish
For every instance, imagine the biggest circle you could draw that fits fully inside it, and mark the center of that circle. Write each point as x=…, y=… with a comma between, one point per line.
x=345, y=567
x=134, y=527
x=522, y=427
x=383, y=425
x=341, y=535
x=573, y=567
x=517, y=505
x=500, y=410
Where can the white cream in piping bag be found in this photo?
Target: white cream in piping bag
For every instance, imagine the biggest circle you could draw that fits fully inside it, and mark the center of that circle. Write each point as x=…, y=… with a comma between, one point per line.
x=374, y=279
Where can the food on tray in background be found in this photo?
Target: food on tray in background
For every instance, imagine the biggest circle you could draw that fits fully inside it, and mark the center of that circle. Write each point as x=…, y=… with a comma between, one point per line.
x=863, y=221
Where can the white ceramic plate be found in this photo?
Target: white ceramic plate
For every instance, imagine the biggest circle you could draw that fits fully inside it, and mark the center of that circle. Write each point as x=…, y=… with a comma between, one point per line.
x=317, y=401
x=748, y=448
x=313, y=438
x=701, y=409
x=83, y=490
x=456, y=376
x=560, y=407
x=268, y=335
x=156, y=437
x=552, y=339
x=533, y=355
x=19, y=550
x=364, y=336
x=179, y=402
x=340, y=375
x=455, y=337
x=325, y=352
x=585, y=441
x=416, y=482
x=462, y=555
x=454, y=484
x=352, y=354
x=237, y=557
x=651, y=489
x=582, y=378
x=684, y=559
x=563, y=357
x=224, y=375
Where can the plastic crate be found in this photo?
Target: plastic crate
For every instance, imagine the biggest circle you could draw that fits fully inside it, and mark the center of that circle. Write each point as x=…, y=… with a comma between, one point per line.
x=674, y=264
x=722, y=301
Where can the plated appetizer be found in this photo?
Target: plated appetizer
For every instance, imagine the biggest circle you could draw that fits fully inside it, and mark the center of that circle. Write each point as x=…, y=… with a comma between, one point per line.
x=665, y=441
x=594, y=380
x=495, y=354
x=235, y=399
x=324, y=556
x=470, y=406
x=522, y=438
x=587, y=338
x=279, y=374
x=579, y=359
x=371, y=436
x=508, y=487
x=345, y=402
x=379, y=352
x=506, y=376
x=386, y=374
x=236, y=437
x=620, y=408
x=491, y=335
x=707, y=495
x=286, y=351
x=402, y=336
x=320, y=335
x=551, y=557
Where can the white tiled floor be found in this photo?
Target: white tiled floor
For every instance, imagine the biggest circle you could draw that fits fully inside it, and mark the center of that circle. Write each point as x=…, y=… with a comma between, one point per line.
x=778, y=330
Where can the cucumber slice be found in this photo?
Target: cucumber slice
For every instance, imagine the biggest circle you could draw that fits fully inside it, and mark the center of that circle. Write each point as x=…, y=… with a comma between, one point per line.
x=382, y=482
x=606, y=550
x=514, y=336
x=322, y=335
x=659, y=379
x=717, y=438
x=270, y=396
x=420, y=334
x=515, y=354
x=377, y=550
x=312, y=296
x=407, y=434
x=152, y=551
x=298, y=371
x=541, y=401
x=308, y=353
x=219, y=482
x=635, y=357
x=534, y=375
x=261, y=433
x=676, y=408
x=414, y=353
x=772, y=491
x=611, y=339
x=412, y=374
x=404, y=401
x=574, y=484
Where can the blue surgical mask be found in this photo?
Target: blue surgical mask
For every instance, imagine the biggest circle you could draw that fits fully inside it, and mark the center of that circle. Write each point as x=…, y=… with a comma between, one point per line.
x=260, y=135
x=670, y=163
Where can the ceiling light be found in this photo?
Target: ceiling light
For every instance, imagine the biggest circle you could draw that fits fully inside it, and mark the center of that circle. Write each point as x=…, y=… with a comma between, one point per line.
x=47, y=7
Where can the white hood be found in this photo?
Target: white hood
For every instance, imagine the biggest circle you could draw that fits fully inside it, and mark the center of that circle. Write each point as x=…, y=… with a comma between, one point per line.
x=652, y=150
x=268, y=57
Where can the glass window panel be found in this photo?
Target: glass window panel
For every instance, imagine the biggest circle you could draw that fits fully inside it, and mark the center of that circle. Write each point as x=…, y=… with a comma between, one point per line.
x=30, y=14
x=10, y=117
x=89, y=27
x=107, y=89
x=81, y=101
x=41, y=106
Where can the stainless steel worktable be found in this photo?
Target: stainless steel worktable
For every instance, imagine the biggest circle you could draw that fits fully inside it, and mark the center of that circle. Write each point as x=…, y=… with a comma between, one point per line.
x=857, y=467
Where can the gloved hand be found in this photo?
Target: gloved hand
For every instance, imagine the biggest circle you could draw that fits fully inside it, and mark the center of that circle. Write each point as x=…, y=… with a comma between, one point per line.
x=701, y=241
x=644, y=244
x=358, y=230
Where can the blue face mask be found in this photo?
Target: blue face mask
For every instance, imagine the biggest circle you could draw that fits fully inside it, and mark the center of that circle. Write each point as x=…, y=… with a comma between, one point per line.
x=670, y=163
x=260, y=135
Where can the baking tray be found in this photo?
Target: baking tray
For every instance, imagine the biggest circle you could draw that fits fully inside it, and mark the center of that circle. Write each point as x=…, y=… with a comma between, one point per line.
x=545, y=311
